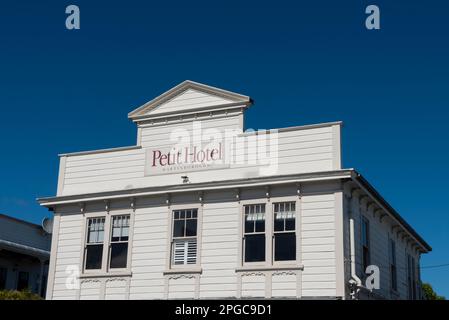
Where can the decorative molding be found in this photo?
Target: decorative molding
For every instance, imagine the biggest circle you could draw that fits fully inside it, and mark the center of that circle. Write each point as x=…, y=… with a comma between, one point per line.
x=252, y=273
x=181, y=276
x=107, y=205
x=299, y=190
x=82, y=207
x=268, y=192
x=168, y=200
x=201, y=197
x=89, y=280
x=115, y=279
x=284, y=273
x=133, y=204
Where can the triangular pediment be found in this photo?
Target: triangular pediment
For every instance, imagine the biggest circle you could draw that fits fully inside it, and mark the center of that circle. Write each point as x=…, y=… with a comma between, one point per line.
x=187, y=97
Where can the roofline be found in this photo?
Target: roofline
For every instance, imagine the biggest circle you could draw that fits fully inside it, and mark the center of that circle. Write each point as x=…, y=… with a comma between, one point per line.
x=357, y=177
x=213, y=185
x=184, y=86
x=25, y=249
x=21, y=221
x=51, y=202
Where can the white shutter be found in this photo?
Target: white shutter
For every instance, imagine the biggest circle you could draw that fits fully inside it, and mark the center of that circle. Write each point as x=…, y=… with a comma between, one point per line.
x=191, y=252
x=184, y=252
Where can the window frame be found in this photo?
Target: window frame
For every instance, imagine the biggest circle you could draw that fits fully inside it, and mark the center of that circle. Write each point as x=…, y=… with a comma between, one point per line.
x=364, y=219
x=105, y=269
x=269, y=233
x=393, y=261
x=295, y=231
x=243, y=221
x=129, y=249
x=191, y=268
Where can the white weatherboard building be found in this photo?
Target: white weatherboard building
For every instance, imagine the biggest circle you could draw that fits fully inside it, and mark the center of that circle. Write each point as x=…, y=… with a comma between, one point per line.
x=199, y=209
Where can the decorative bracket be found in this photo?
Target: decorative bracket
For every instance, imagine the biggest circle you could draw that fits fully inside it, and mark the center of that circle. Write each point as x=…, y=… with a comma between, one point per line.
x=107, y=205
x=299, y=190
x=132, y=204
x=82, y=206
x=267, y=192
x=237, y=194
x=168, y=200
x=200, y=197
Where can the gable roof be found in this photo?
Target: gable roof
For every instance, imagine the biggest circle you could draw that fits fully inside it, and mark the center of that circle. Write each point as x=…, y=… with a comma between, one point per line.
x=217, y=98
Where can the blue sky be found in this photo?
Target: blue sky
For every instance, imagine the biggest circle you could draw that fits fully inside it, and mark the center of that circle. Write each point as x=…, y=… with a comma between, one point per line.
x=302, y=62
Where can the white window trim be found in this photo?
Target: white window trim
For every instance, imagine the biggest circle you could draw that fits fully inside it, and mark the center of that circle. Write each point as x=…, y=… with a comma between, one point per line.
x=269, y=263
x=394, y=292
x=171, y=268
x=362, y=218
x=105, y=270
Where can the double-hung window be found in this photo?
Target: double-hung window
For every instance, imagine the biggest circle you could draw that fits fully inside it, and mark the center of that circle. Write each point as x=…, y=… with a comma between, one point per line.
x=119, y=242
x=365, y=244
x=184, y=240
x=284, y=227
x=107, y=243
x=94, y=244
x=393, y=271
x=254, y=233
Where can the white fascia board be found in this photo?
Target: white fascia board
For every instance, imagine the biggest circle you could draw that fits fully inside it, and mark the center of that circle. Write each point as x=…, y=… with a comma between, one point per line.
x=214, y=185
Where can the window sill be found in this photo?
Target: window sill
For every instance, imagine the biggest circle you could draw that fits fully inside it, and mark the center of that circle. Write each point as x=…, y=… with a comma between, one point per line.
x=105, y=275
x=183, y=271
x=270, y=268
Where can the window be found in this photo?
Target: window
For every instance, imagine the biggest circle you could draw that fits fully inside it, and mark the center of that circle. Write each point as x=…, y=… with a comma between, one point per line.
x=94, y=245
x=365, y=244
x=184, y=244
x=3, y=275
x=284, y=231
x=393, y=272
x=411, y=280
x=22, y=280
x=119, y=242
x=254, y=233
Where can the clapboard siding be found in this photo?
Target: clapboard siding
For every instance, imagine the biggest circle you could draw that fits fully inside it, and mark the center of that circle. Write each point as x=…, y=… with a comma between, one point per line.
x=189, y=99
x=380, y=233
x=219, y=259
x=149, y=253
x=68, y=256
x=318, y=245
x=298, y=151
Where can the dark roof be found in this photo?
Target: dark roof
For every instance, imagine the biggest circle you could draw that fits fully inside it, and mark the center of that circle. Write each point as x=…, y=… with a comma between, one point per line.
x=20, y=221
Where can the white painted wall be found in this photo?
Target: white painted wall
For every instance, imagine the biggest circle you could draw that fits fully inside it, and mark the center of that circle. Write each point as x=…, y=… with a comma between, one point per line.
x=300, y=151
x=380, y=232
x=219, y=252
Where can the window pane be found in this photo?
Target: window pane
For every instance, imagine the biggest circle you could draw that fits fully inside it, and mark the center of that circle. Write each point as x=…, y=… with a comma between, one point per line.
x=260, y=225
x=255, y=248
x=249, y=226
x=119, y=255
x=94, y=256
x=290, y=224
x=279, y=225
x=285, y=246
x=178, y=228
x=190, y=227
